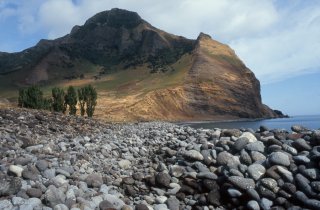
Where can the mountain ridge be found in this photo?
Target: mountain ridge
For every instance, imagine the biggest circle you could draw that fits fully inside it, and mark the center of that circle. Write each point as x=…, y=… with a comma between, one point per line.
x=141, y=72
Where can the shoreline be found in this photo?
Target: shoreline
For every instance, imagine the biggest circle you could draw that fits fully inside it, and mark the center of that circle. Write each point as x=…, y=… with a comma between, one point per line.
x=67, y=162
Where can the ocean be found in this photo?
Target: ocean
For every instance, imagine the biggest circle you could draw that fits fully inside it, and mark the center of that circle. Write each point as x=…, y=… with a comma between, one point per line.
x=309, y=121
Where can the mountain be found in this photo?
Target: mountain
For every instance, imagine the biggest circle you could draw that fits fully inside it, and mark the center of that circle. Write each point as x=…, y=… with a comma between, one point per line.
x=140, y=72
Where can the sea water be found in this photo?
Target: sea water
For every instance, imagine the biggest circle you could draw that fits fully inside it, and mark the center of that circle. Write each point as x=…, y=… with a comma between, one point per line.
x=310, y=121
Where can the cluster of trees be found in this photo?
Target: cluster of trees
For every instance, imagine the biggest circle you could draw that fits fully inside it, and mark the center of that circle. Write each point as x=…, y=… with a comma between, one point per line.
x=60, y=101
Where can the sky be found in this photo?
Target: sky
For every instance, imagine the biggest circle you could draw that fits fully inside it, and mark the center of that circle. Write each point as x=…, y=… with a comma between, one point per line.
x=277, y=39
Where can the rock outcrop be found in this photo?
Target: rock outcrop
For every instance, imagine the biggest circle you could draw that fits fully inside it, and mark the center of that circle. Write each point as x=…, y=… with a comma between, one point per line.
x=141, y=72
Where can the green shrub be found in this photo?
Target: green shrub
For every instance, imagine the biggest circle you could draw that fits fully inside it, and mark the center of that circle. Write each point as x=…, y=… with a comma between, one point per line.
x=71, y=100
x=82, y=100
x=32, y=97
x=90, y=99
x=58, y=100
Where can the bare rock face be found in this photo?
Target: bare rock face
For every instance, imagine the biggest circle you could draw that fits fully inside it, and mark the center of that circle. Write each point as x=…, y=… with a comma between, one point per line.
x=220, y=84
x=176, y=78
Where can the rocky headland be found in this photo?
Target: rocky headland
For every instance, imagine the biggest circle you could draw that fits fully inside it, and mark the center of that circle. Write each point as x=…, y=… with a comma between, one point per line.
x=141, y=73
x=52, y=161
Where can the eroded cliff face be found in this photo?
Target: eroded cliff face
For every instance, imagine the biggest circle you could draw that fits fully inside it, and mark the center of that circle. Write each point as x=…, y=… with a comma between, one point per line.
x=141, y=72
x=219, y=83
x=216, y=85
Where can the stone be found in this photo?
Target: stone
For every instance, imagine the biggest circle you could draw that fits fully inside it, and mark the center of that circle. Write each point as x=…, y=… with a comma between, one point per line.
x=193, y=155
x=240, y=143
x=173, y=203
x=128, y=180
x=263, y=128
x=160, y=207
x=34, y=192
x=30, y=173
x=207, y=175
x=214, y=197
x=298, y=128
x=266, y=203
x=126, y=207
x=287, y=175
x=249, y=136
x=163, y=179
x=311, y=173
x=252, y=193
x=316, y=186
x=270, y=183
x=311, y=203
x=161, y=199
x=225, y=158
x=94, y=180
x=234, y=193
x=9, y=185
x=303, y=185
x=279, y=158
x=256, y=171
x=16, y=170
x=253, y=205
x=124, y=164
x=141, y=207
x=6, y=204
x=60, y=207
x=301, y=159
x=106, y=205
x=255, y=146
x=242, y=183
x=210, y=184
x=257, y=156
x=176, y=171
x=231, y=132
x=54, y=196
x=116, y=202
x=301, y=145
x=245, y=157
x=42, y=165
x=49, y=173
x=59, y=180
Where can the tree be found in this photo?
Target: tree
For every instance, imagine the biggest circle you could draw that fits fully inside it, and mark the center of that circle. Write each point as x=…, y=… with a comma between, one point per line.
x=32, y=97
x=46, y=104
x=22, y=97
x=71, y=100
x=82, y=100
x=91, y=100
x=58, y=99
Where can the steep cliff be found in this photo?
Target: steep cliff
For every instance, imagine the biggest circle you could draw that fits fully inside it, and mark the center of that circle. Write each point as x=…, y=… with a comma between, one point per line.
x=141, y=72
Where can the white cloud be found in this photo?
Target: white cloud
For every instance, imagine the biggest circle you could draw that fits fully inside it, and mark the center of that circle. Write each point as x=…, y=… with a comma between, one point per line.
x=274, y=41
x=289, y=49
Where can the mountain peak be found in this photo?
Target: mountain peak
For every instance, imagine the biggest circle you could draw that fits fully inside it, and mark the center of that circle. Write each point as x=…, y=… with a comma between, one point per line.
x=116, y=18
x=203, y=36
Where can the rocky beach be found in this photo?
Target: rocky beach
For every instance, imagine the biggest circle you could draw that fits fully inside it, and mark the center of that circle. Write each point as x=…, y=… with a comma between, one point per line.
x=52, y=161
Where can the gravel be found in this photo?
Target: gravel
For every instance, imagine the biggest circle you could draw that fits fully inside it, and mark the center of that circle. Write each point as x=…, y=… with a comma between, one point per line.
x=52, y=161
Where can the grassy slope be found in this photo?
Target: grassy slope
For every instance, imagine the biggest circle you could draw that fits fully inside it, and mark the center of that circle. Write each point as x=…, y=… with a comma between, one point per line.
x=117, y=91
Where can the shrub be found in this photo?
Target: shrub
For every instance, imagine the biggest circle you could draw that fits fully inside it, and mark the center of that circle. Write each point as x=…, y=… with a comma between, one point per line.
x=32, y=97
x=82, y=100
x=71, y=100
x=58, y=100
x=91, y=100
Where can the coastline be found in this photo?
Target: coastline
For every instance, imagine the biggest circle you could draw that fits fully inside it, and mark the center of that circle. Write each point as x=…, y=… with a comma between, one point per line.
x=153, y=165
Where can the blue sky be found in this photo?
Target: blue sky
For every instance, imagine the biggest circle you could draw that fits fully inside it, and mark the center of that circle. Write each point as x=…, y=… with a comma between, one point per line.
x=277, y=39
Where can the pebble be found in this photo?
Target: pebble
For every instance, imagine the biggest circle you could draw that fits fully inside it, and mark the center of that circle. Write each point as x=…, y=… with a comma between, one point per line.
x=242, y=183
x=68, y=162
x=16, y=170
x=256, y=171
x=279, y=158
x=193, y=155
